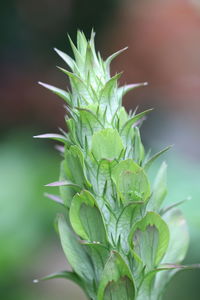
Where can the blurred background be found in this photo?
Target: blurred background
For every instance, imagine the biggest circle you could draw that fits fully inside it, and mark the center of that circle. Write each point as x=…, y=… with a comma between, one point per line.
x=164, y=49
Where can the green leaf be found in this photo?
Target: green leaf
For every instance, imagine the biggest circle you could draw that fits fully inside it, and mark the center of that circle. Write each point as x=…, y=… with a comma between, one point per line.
x=122, y=116
x=150, y=232
x=99, y=255
x=63, y=274
x=86, y=218
x=116, y=282
x=130, y=214
x=106, y=144
x=105, y=186
x=131, y=182
x=79, y=89
x=74, y=251
x=75, y=167
x=179, y=237
x=66, y=192
x=149, y=239
x=139, y=152
x=132, y=121
x=159, y=189
x=111, y=57
x=53, y=136
x=59, y=92
x=69, y=61
x=154, y=157
x=129, y=87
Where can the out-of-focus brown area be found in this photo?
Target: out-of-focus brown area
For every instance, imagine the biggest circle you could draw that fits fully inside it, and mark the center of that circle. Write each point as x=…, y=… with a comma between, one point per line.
x=164, y=49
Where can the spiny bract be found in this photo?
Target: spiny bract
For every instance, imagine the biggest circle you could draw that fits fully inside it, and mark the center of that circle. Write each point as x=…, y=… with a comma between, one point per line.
x=119, y=240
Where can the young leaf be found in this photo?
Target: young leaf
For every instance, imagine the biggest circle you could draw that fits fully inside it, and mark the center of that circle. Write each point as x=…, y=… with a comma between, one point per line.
x=116, y=281
x=75, y=167
x=107, y=144
x=63, y=274
x=131, y=181
x=69, y=61
x=59, y=92
x=111, y=57
x=129, y=87
x=133, y=121
x=53, y=136
x=86, y=218
x=149, y=239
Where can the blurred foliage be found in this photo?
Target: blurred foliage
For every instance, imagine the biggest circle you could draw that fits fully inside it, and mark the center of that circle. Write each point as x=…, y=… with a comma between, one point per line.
x=26, y=216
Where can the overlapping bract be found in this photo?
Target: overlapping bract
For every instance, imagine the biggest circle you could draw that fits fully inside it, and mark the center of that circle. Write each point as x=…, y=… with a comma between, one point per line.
x=118, y=239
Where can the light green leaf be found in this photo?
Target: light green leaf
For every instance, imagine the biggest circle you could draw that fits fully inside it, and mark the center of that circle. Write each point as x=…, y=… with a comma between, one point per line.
x=131, y=182
x=69, y=61
x=74, y=251
x=86, y=218
x=106, y=144
x=122, y=116
x=59, y=92
x=53, y=136
x=149, y=239
x=116, y=282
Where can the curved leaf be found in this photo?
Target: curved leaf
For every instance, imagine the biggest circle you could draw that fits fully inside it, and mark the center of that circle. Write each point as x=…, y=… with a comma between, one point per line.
x=86, y=218
x=131, y=182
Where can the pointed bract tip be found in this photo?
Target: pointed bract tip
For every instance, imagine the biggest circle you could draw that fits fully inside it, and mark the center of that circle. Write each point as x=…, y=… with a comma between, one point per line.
x=42, y=84
x=35, y=281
